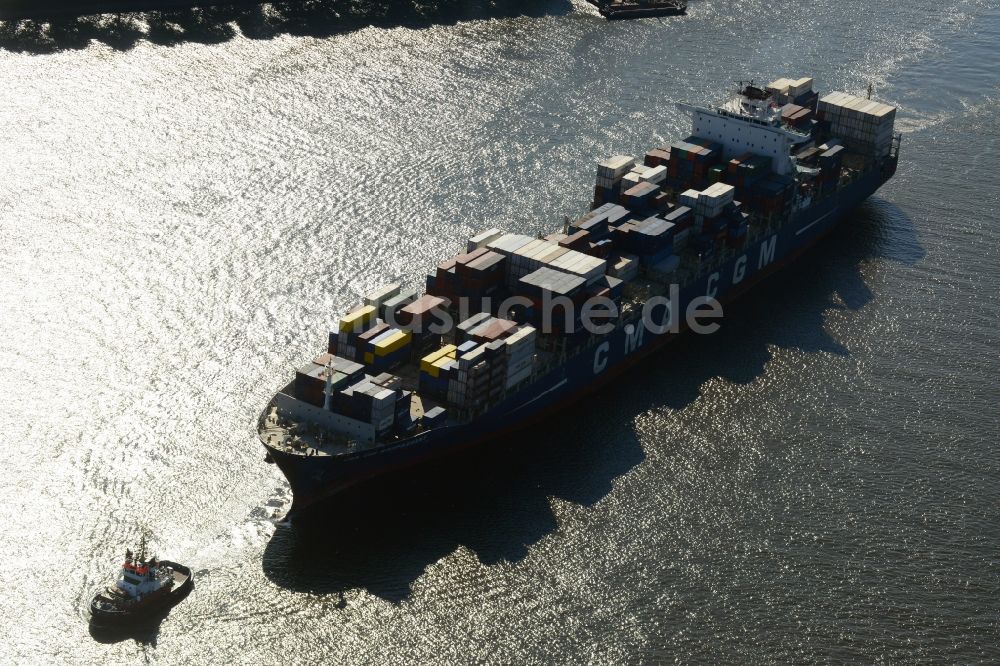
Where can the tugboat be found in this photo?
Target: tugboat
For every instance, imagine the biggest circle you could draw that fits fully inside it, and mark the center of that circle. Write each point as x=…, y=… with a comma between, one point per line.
x=144, y=588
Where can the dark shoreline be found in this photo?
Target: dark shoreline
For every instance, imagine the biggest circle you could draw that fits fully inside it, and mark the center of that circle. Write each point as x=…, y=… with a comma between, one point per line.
x=19, y=10
x=122, y=24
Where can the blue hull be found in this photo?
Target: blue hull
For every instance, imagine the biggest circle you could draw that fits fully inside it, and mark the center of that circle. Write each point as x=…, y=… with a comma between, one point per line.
x=316, y=478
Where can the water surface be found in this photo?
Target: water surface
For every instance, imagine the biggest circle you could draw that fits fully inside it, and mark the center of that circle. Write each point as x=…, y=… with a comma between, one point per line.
x=189, y=200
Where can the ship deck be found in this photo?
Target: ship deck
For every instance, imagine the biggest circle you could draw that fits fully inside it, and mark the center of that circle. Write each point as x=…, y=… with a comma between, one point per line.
x=307, y=439
x=302, y=438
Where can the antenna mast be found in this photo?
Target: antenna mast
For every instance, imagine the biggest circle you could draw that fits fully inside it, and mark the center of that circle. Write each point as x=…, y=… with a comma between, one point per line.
x=328, y=391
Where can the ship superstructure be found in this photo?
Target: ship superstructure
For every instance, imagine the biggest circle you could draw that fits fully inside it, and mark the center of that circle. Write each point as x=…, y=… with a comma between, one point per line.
x=140, y=577
x=761, y=178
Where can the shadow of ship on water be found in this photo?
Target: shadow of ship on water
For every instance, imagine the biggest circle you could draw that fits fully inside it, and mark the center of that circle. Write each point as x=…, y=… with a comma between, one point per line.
x=254, y=20
x=496, y=502
x=145, y=633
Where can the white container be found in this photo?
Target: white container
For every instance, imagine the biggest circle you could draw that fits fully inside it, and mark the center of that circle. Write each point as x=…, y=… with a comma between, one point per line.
x=553, y=254
x=519, y=348
x=379, y=296
x=516, y=378
x=525, y=336
x=655, y=175
x=718, y=191
x=616, y=166
x=581, y=265
x=469, y=359
x=543, y=250
x=780, y=86
x=689, y=198
x=473, y=321
x=525, y=250
x=517, y=365
x=482, y=239
x=629, y=181
x=640, y=170
x=800, y=86
x=508, y=243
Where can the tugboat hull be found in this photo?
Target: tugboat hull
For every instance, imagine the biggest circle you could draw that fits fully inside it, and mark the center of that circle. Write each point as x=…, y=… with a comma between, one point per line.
x=152, y=606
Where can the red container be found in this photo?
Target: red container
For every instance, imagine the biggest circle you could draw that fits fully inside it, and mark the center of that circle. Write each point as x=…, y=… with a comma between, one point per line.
x=656, y=157
x=495, y=330
x=420, y=310
x=323, y=359
x=463, y=259
x=373, y=332
x=577, y=241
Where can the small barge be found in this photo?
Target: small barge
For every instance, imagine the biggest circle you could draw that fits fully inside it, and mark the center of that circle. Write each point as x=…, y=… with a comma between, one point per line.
x=633, y=9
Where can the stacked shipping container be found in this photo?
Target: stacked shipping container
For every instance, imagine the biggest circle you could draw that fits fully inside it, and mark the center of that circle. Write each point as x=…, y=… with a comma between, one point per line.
x=519, y=355
x=793, y=91
x=340, y=385
x=866, y=127
x=690, y=161
x=609, y=176
x=637, y=224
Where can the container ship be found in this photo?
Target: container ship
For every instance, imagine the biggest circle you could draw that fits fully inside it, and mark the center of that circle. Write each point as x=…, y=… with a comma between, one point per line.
x=762, y=177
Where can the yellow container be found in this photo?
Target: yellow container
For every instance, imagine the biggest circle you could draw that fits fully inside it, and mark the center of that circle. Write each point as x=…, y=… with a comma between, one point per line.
x=438, y=366
x=369, y=357
x=357, y=320
x=427, y=362
x=392, y=343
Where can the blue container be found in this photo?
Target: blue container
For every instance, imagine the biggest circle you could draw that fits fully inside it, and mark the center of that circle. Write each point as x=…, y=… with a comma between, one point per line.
x=437, y=386
x=654, y=258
